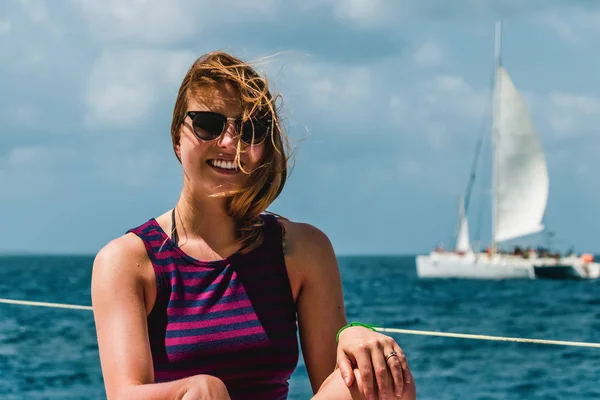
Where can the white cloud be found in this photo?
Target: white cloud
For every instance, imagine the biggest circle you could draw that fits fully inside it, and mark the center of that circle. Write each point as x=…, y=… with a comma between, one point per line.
x=158, y=22
x=435, y=107
x=390, y=13
x=448, y=96
x=428, y=55
x=439, y=109
x=164, y=22
x=123, y=86
x=453, y=95
x=35, y=36
x=439, y=105
x=366, y=13
x=331, y=87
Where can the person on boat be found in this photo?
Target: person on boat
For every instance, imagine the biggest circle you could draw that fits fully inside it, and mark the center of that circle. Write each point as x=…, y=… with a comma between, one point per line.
x=517, y=251
x=205, y=301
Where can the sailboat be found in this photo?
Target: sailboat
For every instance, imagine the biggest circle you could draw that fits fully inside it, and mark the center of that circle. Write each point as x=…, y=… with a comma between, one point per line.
x=520, y=195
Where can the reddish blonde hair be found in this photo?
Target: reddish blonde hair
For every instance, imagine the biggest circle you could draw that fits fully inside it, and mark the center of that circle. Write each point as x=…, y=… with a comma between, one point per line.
x=267, y=181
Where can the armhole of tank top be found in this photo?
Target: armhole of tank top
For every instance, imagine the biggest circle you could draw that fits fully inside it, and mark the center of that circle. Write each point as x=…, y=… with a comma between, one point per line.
x=277, y=226
x=277, y=222
x=157, y=274
x=283, y=238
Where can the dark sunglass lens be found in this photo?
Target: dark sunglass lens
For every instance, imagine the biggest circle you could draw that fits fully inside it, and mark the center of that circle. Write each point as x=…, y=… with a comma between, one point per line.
x=208, y=126
x=255, y=131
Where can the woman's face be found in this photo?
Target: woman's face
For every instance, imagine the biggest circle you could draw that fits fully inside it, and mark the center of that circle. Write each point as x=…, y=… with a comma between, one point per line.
x=208, y=165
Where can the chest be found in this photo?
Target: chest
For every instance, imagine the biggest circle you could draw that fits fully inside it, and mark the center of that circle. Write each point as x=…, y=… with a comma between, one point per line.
x=212, y=311
x=209, y=320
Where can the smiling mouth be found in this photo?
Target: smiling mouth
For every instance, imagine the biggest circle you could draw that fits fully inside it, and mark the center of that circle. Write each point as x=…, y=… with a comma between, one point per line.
x=227, y=166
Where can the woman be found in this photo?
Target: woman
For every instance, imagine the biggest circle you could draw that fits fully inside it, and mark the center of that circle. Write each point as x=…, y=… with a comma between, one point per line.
x=204, y=301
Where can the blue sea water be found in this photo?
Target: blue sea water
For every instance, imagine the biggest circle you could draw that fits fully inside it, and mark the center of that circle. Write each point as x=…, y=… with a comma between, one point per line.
x=52, y=353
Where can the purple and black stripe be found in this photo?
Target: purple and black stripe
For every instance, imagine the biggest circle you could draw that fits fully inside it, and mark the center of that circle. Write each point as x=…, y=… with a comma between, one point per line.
x=233, y=318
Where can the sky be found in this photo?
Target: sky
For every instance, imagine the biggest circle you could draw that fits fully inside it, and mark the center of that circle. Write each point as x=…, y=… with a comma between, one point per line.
x=384, y=101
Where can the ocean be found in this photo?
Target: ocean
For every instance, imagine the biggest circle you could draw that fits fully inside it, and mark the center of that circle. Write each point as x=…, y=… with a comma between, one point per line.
x=50, y=353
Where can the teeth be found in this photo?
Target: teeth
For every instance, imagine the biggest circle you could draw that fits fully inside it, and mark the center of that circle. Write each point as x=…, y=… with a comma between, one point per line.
x=223, y=164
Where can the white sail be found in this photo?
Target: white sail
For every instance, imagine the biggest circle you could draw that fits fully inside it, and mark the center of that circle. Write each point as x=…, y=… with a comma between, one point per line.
x=519, y=203
x=521, y=171
x=462, y=241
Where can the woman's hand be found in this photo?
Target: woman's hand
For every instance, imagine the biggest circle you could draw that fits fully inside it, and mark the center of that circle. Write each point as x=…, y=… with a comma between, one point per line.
x=381, y=363
x=205, y=387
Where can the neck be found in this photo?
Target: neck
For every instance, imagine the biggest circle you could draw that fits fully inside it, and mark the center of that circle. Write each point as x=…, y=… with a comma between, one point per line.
x=205, y=218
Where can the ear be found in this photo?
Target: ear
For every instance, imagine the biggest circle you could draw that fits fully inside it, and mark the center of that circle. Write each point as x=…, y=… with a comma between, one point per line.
x=178, y=151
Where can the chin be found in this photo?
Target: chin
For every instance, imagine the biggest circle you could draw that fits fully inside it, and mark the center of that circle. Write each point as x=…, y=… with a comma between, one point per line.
x=219, y=188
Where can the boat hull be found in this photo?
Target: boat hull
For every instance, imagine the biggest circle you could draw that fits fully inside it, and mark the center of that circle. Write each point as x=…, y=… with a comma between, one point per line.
x=473, y=266
x=568, y=270
x=556, y=272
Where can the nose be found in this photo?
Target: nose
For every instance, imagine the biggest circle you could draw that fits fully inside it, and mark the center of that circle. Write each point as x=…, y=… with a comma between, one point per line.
x=229, y=137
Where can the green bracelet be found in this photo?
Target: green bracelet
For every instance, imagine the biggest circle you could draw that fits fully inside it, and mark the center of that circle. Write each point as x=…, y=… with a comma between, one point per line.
x=371, y=327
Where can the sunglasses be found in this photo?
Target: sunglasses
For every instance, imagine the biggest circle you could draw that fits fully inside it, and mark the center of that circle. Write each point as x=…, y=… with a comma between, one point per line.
x=208, y=125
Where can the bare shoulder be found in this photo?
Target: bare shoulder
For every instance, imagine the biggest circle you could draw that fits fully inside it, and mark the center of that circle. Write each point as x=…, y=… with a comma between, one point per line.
x=303, y=240
x=125, y=249
x=122, y=260
x=122, y=297
x=308, y=251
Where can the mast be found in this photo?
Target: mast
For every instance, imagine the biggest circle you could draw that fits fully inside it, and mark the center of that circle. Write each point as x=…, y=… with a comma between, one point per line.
x=495, y=135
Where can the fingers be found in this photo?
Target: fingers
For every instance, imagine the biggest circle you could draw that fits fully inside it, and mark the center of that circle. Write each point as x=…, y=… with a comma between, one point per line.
x=376, y=366
x=345, y=367
x=365, y=369
x=384, y=380
x=395, y=368
x=408, y=378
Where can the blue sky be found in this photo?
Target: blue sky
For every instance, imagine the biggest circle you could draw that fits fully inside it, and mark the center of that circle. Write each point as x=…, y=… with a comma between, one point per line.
x=384, y=101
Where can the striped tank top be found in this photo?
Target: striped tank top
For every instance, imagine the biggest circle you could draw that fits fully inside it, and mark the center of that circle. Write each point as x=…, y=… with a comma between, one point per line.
x=234, y=318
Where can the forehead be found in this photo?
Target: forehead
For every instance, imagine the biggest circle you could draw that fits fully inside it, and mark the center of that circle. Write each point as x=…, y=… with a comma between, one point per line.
x=222, y=98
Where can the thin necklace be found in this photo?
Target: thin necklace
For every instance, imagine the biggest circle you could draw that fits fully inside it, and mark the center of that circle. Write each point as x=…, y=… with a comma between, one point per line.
x=174, y=236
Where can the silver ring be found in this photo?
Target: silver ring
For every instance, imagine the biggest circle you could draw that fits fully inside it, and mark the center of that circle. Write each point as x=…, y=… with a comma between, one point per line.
x=392, y=354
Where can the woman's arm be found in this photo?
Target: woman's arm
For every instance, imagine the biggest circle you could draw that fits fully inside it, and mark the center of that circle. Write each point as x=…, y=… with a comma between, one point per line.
x=320, y=302
x=321, y=313
x=121, y=279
